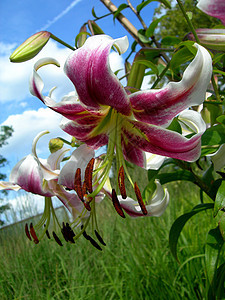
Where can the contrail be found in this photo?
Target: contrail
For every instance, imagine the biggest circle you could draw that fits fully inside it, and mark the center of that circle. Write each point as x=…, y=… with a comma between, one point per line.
x=62, y=14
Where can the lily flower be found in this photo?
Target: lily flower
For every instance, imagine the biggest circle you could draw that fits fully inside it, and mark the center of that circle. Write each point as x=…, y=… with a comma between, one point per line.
x=154, y=208
x=40, y=176
x=103, y=113
x=215, y=8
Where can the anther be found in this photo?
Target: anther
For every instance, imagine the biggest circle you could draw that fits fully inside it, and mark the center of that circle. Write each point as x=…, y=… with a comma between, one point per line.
x=121, y=179
x=77, y=184
x=139, y=199
x=116, y=204
x=94, y=243
x=33, y=234
x=88, y=175
x=47, y=233
x=100, y=238
x=87, y=205
x=57, y=239
x=70, y=233
x=27, y=232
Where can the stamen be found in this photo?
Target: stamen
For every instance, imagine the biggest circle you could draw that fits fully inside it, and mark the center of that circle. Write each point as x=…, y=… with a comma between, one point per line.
x=78, y=185
x=57, y=239
x=99, y=238
x=88, y=175
x=139, y=199
x=116, y=204
x=47, y=233
x=84, y=188
x=70, y=233
x=27, y=232
x=90, y=239
x=87, y=205
x=121, y=179
x=33, y=234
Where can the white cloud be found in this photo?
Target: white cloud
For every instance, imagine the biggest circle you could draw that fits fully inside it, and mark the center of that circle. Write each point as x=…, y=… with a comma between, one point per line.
x=26, y=126
x=14, y=77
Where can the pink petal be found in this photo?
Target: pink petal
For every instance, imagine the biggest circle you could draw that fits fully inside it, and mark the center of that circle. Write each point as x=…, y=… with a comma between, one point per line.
x=164, y=142
x=133, y=154
x=27, y=173
x=214, y=8
x=160, y=106
x=96, y=85
x=84, y=133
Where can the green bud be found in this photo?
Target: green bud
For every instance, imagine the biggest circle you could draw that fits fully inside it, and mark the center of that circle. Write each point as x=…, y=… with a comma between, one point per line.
x=31, y=47
x=137, y=72
x=55, y=145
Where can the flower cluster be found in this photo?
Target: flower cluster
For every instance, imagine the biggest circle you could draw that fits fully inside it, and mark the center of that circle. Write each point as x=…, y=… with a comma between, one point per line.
x=133, y=125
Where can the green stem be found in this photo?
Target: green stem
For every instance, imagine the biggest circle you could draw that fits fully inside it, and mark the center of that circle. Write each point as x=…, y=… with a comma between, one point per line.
x=161, y=75
x=188, y=21
x=216, y=89
x=62, y=42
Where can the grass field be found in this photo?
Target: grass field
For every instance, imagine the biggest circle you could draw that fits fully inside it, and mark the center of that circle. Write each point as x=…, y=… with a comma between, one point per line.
x=135, y=264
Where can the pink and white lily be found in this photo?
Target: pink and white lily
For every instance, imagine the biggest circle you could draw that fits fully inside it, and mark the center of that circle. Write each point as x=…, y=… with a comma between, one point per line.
x=214, y=8
x=103, y=113
x=155, y=206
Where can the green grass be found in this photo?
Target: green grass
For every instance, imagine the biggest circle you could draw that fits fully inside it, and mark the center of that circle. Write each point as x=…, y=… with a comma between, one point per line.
x=135, y=264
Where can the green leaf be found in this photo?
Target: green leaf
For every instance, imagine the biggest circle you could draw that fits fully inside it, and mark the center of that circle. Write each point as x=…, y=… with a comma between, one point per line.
x=175, y=126
x=143, y=4
x=222, y=225
x=221, y=119
x=220, y=199
x=93, y=13
x=150, y=31
x=182, y=56
x=120, y=8
x=142, y=37
x=148, y=64
x=80, y=35
x=179, y=224
x=170, y=41
x=213, y=246
x=174, y=176
x=214, y=135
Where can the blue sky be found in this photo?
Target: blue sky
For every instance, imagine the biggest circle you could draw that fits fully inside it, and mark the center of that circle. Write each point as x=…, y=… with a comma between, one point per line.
x=19, y=19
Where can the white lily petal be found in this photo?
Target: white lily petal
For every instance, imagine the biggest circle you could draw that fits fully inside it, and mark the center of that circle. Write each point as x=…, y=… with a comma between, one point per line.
x=4, y=185
x=191, y=121
x=153, y=161
x=218, y=158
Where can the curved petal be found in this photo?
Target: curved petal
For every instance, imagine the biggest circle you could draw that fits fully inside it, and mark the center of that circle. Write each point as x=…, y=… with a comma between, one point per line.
x=156, y=208
x=215, y=8
x=27, y=173
x=96, y=85
x=84, y=133
x=132, y=153
x=218, y=158
x=4, y=185
x=79, y=159
x=153, y=161
x=191, y=121
x=157, y=140
x=160, y=106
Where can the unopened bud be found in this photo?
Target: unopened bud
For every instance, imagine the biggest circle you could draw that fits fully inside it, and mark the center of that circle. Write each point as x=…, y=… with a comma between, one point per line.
x=31, y=47
x=55, y=145
x=210, y=38
x=94, y=28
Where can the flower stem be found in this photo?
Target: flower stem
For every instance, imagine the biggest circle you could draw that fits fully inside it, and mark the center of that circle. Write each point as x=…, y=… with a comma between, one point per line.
x=62, y=42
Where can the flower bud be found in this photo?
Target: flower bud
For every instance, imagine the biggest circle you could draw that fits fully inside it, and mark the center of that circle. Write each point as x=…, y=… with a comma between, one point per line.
x=55, y=145
x=210, y=38
x=31, y=47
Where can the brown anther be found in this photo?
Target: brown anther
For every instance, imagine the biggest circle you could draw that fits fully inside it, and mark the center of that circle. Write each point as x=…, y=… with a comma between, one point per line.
x=116, y=204
x=139, y=199
x=57, y=239
x=84, y=188
x=78, y=184
x=88, y=175
x=121, y=179
x=27, y=232
x=33, y=234
x=47, y=233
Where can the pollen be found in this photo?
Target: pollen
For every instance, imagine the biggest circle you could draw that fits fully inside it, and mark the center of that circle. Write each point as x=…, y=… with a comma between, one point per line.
x=88, y=175
x=78, y=184
x=116, y=204
x=33, y=234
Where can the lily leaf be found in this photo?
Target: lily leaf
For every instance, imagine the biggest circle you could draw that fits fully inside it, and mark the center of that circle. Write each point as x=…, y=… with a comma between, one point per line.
x=212, y=251
x=220, y=199
x=143, y=4
x=179, y=224
x=150, y=31
x=174, y=176
x=214, y=135
x=120, y=8
x=148, y=64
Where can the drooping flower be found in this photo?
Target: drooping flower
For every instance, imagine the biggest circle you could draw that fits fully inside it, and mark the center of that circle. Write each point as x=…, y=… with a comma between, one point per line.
x=215, y=8
x=41, y=176
x=155, y=206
